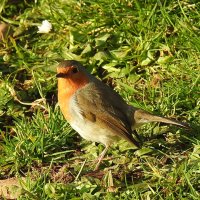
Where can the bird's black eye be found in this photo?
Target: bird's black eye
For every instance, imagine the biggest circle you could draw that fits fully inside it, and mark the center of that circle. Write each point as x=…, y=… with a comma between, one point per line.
x=74, y=70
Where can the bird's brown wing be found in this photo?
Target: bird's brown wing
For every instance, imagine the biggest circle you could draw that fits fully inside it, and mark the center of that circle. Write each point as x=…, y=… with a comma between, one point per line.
x=100, y=104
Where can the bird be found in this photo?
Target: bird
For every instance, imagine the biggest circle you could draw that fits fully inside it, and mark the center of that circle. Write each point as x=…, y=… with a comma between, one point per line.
x=96, y=111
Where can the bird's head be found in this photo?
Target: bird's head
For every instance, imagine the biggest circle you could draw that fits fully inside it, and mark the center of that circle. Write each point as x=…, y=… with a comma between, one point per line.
x=71, y=75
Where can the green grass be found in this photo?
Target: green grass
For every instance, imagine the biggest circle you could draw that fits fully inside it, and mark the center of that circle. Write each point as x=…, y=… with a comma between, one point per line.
x=149, y=51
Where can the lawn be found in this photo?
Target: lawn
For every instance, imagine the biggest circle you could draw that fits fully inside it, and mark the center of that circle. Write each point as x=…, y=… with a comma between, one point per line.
x=148, y=51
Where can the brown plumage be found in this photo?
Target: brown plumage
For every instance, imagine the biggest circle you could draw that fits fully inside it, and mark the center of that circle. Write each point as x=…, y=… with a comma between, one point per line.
x=96, y=111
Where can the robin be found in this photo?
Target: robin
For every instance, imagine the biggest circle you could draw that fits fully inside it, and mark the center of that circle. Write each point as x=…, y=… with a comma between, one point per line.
x=96, y=111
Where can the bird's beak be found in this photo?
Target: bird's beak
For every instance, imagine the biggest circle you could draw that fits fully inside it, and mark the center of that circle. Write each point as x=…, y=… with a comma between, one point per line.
x=60, y=75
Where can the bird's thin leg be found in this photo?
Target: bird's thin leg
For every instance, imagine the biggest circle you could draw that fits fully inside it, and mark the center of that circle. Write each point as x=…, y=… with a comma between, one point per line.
x=99, y=159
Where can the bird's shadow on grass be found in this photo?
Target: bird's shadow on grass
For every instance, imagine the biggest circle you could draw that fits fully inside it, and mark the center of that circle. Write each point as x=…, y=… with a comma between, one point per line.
x=184, y=140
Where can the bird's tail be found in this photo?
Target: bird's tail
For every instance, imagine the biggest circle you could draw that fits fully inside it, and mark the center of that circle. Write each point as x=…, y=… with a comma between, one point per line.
x=141, y=117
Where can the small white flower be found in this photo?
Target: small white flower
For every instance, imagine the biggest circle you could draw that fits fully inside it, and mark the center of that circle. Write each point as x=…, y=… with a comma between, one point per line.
x=45, y=27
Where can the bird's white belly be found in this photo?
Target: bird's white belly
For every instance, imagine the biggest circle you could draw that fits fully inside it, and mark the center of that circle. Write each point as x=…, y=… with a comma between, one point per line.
x=90, y=131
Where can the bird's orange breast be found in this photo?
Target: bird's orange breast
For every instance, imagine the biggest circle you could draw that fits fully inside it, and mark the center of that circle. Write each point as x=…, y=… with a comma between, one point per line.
x=66, y=89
